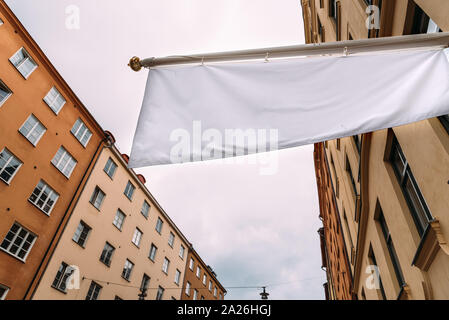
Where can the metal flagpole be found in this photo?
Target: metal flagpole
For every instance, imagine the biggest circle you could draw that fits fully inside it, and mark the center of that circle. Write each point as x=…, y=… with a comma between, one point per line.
x=329, y=48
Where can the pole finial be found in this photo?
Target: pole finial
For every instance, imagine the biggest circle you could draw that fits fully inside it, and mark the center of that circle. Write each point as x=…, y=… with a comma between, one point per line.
x=134, y=63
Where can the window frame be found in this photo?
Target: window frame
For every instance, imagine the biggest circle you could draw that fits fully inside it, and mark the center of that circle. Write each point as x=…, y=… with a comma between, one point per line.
x=5, y=293
x=122, y=220
x=137, y=237
x=132, y=188
x=182, y=250
x=20, y=247
x=70, y=160
x=52, y=191
x=147, y=207
x=165, y=265
x=160, y=293
x=177, y=277
x=84, y=225
x=87, y=130
x=151, y=251
x=51, y=104
x=112, y=165
x=160, y=223
x=27, y=56
x=104, y=257
x=95, y=193
x=93, y=286
x=13, y=156
x=64, y=276
x=38, y=122
x=125, y=274
x=171, y=239
x=7, y=90
x=445, y=122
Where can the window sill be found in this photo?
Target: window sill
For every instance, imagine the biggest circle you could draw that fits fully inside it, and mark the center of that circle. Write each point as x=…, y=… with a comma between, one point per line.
x=431, y=242
x=60, y=290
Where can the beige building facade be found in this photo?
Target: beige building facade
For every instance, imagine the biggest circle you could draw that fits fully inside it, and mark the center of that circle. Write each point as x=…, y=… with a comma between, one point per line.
x=391, y=186
x=117, y=241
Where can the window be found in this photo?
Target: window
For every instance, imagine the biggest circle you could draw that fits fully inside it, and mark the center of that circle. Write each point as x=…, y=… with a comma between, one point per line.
x=358, y=142
x=191, y=263
x=373, y=262
x=44, y=197
x=321, y=31
x=9, y=165
x=110, y=168
x=1, y=23
x=422, y=23
x=127, y=269
x=215, y=292
x=160, y=293
x=81, y=132
x=177, y=276
x=204, y=279
x=55, y=100
x=145, y=283
x=145, y=209
x=351, y=176
x=106, y=254
x=210, y=285
x=23, y=62
x=33, y=130
x=62, y=276
x=181, y=252
x=64, y=162
x=119, y=219
x=97, y=198
x=94, y=291
x=195, y=294
x=153, y=251
x=171, y=239
x=5, y=93
x=81, y=234
x=198, y=272
x=220, y=296
x=137, y=237
x=18, y=242
x=3, y=292
x=445, y=121
x=129, y=190
x=188, y=288
x=391, y=249
x=415, y=200
x=165, y=265
x=159, y=224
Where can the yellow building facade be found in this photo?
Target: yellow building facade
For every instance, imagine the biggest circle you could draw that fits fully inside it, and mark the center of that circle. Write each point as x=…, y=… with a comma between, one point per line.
x=391, y=186
x=117, y=241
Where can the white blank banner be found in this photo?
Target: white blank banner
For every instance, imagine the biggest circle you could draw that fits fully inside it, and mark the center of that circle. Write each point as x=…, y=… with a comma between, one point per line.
x=306, y=100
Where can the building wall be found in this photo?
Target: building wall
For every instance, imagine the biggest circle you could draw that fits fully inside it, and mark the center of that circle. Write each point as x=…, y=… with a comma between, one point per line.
x=196, y=283
x=423, y=260
x=334, y=252
x=87, y=258
x=27, y=99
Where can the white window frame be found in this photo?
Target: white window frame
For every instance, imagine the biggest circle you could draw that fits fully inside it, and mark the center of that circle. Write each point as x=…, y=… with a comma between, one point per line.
x=44, y=188
x=9, y=91
x=151, y=252
x=160, y=293
x=82, y=126
x=210, y=285
x=3, y=296
x=195, y=294
x=107, y=168
x=70, y=160
x=51, y=103
x=188, y=285
x=27, y=57
x=6, y=165
x=182, y=249
x=21, y=244
x=204, y=279
x=191, y=264
x=177, y=277
x=93, y=201
x=165, y=265
x=79, y=231
x=215, y=292
x=159, y=225
x=128, y=188
x=27, y=136
x=137, y=237
x=171, y=239
x=129, y=265
x=1, y=23
x=122, y=220
x=198, y=272
x=147, y=207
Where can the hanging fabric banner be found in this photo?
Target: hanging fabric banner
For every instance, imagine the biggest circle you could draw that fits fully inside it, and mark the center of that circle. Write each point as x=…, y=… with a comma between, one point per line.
x=212, y=111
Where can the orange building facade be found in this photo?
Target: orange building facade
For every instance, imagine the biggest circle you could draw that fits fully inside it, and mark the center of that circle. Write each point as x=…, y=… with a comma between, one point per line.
x=200, y=281
x=48, y=142
x=335, y=258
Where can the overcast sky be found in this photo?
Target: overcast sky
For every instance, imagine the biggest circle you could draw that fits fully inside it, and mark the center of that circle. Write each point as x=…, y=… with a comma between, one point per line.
x=253, y=229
